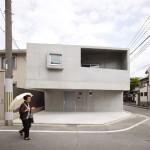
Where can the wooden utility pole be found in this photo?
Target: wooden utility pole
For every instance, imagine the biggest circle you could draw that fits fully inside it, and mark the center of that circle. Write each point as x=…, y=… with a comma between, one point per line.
x=8, y=66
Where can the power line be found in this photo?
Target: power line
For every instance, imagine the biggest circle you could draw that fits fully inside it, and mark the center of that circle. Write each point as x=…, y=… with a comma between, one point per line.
x=140, y=44
x=145, y=30
x=142, y=67
x=14, y=41
x=12, y=38
x=135, y=37
x=143, y=48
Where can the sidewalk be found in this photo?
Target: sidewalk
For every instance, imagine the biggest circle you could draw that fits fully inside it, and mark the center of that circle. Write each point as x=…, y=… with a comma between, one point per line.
x=100, y=118
x=119, y=126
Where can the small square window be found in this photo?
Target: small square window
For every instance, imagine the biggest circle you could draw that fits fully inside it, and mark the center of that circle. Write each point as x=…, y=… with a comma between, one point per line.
x=145, y=93
x=56, y=58
x=79, y=93
x=54, y=61
x=90, y=93
x=3, y=63
x=141, y=93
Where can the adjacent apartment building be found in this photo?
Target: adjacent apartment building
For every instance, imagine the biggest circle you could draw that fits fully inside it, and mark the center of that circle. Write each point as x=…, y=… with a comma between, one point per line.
x=19, y=66
x=19, y=79
x=19, y=73
x=78, y=78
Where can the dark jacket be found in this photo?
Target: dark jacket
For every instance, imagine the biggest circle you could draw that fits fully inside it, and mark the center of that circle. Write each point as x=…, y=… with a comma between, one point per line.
x=23, y=114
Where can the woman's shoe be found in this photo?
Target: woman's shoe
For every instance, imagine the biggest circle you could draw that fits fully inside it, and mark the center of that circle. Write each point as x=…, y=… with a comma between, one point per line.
x=21, y=133
x=27, y=138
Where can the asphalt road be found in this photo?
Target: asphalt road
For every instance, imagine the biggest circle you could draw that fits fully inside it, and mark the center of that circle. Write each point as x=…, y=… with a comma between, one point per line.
x=137, y=110
x=137, y=138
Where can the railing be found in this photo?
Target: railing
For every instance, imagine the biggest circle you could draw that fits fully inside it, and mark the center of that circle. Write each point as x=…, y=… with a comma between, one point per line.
x=92, y=65
x=101, y=66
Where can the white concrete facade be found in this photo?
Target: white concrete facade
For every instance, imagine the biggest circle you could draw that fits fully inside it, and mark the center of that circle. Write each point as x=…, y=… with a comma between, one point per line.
x=89, y=79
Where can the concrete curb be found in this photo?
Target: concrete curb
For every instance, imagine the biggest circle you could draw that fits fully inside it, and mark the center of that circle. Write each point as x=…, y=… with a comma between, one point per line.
x=85, y=132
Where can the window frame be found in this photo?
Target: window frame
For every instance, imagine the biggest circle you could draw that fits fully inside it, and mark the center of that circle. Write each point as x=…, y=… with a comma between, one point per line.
x=55, y=54
x=3, y=62
x=141, y=93
x=145, y=93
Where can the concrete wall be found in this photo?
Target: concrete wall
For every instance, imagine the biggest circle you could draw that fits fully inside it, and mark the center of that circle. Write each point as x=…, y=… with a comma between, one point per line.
x=54, y=101
x=144, y=98
x=100, y=101
x=73, y=76
x=2, y=77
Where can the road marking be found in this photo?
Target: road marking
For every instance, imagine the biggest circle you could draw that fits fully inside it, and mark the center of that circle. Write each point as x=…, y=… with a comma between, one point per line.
x=112, y=131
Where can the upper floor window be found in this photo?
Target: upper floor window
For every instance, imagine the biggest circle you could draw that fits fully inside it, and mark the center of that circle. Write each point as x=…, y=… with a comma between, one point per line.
x=145, y=93
x=55, y=59
x=141, y=93
x=3, y=62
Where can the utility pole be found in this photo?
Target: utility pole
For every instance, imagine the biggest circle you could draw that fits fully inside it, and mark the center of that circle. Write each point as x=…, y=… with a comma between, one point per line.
x=8, y=66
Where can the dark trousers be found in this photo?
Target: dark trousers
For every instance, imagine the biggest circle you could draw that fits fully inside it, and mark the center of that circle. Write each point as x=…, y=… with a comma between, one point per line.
x=26, y=127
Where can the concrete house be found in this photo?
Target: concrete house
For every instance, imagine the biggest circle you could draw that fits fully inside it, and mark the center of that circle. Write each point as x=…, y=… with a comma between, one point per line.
x=78, y=78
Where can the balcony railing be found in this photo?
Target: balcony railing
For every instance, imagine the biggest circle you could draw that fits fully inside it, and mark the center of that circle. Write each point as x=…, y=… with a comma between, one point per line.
x=92, y=65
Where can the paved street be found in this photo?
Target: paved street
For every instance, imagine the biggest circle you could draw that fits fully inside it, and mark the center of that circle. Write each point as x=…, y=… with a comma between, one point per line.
x=137, y=138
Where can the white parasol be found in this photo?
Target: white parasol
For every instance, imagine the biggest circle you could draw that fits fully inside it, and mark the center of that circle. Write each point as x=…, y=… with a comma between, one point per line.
x=15, y=104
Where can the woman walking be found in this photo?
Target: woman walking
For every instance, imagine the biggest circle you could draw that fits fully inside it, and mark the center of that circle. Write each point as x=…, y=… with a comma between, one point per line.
x=25, y=112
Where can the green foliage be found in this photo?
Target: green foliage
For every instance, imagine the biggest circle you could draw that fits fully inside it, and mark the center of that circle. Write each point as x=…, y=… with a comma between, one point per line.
x=134, y=82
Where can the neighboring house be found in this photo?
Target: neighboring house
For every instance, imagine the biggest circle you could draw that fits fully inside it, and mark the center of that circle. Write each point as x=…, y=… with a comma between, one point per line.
x=144, y=90
x=19, y=66
x=143, y=93
x=78, y=78
x=19, y=79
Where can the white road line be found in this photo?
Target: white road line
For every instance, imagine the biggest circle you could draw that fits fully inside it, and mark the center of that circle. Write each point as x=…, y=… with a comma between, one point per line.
x=112, y=131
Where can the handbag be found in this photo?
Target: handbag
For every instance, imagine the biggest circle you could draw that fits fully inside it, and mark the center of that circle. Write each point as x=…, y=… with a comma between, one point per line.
x=31, y=118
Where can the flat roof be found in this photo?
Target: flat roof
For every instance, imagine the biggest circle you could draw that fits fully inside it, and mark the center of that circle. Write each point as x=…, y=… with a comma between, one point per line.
x=84, y=46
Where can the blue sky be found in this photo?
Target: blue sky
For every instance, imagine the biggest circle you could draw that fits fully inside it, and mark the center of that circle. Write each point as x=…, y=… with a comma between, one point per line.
x=86, y=22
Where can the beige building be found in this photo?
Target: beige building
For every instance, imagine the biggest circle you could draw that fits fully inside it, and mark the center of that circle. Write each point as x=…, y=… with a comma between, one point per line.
x=143, y=95
x=19, y=74
x=19, y=66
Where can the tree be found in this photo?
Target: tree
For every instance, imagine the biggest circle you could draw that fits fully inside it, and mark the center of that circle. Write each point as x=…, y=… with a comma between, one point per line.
x=134, y=82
